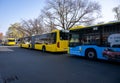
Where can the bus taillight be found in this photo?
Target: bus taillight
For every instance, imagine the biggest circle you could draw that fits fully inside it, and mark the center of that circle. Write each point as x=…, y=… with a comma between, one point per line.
x=58, y=44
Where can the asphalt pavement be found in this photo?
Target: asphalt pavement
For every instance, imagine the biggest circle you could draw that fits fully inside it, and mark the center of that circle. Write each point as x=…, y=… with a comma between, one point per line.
x=19, y=65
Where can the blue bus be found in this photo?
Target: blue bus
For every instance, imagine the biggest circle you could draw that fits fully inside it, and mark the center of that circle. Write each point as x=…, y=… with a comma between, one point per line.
x=96, y=42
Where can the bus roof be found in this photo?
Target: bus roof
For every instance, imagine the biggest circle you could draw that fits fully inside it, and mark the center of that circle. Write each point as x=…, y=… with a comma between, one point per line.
x=77, y=27
x=55, y=30
x=11, y=38
x=104, y=24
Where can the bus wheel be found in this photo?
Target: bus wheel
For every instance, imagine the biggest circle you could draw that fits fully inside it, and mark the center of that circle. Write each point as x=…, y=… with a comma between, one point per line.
x=29, y=47
x=21, y=45
x=91, y=54
x=43, y=49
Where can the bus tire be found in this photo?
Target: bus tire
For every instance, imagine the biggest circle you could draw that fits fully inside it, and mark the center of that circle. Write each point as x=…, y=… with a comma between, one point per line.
x=29, y=47
x=43, y=49
x=91, y=54
x=21, y=45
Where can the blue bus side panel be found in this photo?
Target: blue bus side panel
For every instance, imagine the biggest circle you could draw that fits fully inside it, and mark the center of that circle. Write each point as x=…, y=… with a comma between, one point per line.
x=102, y=53
x=75, y=51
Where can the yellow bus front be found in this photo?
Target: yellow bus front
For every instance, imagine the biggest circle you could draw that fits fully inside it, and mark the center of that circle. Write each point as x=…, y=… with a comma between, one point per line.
x=11, y=41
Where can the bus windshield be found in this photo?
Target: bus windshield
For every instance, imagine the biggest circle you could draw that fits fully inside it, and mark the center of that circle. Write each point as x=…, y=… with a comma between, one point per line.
x=11, y=40
x=64, y=35
x=74, y=40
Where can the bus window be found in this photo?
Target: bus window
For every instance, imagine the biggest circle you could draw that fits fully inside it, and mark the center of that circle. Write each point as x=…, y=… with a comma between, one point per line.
x=74, y=38
x=53, y=38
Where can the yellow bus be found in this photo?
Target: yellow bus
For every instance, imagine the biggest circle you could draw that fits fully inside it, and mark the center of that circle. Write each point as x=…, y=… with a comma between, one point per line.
x=10, y=41
x=25, y=42
x=56, y=41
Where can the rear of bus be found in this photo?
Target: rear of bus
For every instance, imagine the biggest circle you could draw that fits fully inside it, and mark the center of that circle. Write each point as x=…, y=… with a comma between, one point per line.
x=62, y=41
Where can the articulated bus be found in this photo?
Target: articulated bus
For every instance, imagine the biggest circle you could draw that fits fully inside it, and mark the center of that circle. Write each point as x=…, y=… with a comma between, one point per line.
x=96, y=42
x=56, y=41
x=10, y=41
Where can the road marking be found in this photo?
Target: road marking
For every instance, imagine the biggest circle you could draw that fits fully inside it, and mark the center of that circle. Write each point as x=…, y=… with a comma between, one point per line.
x=8, y=46
x=5, y=49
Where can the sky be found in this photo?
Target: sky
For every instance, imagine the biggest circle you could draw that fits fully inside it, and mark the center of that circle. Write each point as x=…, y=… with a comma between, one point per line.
x=12, y=11
x=106, y=9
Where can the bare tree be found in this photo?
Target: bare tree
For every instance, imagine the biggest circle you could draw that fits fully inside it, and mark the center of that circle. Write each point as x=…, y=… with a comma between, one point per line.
x=116, y=10
x=15, y=31
x=37, y=26
x=32, y=27
x=48, y=20
x=27, y=27
x=67, y=13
